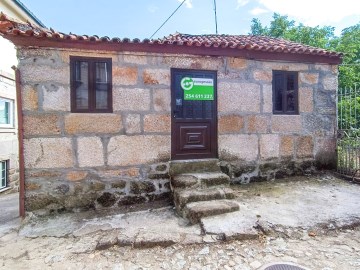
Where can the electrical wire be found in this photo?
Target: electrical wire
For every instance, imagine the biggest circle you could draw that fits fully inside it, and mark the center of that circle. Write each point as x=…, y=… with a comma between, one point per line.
x=216, y=27
x=168, y=18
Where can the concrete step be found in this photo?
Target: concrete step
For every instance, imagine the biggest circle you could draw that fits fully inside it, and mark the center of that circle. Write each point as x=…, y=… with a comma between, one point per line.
x=197, y=210
x=194, y=166
x=199, y=180
x=183, y=197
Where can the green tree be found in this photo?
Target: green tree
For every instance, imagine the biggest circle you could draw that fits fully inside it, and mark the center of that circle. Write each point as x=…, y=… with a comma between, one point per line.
x=321, y=37
x=349, y=44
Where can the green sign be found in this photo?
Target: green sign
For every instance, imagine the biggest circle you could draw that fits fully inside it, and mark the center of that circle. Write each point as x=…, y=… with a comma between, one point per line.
x=197, y=88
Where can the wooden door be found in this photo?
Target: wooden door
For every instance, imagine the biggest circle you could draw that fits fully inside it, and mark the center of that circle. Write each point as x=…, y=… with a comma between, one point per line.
x=194, y=114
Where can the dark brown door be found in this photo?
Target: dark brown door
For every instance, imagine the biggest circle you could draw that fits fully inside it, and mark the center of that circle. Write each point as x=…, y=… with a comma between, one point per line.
x=194, y=114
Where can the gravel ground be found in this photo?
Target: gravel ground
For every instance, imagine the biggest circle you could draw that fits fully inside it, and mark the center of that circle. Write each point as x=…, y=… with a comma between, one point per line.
x=340, y=250
x=310, y=221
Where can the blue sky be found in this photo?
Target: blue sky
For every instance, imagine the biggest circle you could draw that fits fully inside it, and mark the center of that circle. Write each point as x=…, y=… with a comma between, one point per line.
x=140, y=18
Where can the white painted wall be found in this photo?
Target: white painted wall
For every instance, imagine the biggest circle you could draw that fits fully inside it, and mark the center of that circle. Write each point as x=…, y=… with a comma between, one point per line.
x=7, y=56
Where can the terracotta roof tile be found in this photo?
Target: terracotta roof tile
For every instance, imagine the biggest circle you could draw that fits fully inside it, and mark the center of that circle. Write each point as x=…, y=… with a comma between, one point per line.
x=10, y=28
x=257, y=43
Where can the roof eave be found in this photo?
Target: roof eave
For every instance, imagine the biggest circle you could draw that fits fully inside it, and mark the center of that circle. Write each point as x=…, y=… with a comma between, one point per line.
x=27, y=41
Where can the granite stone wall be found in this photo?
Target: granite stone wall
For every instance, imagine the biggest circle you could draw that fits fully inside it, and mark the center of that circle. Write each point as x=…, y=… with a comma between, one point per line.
x=82, y=160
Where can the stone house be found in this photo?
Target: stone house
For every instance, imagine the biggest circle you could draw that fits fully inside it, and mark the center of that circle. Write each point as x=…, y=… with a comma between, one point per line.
x=103, y=117
x=9, y=176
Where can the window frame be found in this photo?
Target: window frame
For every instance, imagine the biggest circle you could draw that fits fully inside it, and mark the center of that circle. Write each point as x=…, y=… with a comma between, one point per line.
x=92, y=83
x=5, y=169
x=285, y=75
x=11, y=113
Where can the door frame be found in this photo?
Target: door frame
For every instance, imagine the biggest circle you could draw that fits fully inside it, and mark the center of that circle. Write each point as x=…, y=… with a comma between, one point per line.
x=214, y=129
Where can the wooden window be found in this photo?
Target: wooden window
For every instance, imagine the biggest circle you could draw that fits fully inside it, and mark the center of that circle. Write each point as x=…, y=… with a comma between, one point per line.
x=91, y=84
x=285, y=92
x=3, y=173
x=6, y=113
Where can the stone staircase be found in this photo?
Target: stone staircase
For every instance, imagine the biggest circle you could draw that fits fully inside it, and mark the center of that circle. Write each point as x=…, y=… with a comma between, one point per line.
x=200, y=189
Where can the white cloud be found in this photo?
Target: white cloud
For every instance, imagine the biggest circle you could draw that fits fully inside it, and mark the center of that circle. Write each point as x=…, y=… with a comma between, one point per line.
x=152, y=9
x=258, y=11
x=241, y=3
x=314, y=12
x=188, y=3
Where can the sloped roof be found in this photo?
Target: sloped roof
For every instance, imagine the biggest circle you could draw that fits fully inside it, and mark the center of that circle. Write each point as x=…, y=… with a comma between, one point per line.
x=247, y=42
x=252, y=47
x=28, y=12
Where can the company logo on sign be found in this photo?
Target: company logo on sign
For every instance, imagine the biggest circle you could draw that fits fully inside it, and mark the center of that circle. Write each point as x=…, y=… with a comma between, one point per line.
x=197, y=88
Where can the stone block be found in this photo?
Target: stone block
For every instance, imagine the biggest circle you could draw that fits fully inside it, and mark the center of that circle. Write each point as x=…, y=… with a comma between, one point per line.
x=135, y=59
x=90, y=152
x=31, y=186
x=107, y=199
x=42, y=124
x=230, y=123
x=138, y=187
x=118, y=184
x=65, y=55
x=129, y=200
x=238, y=97
x=136, y=150
x=38, y=201
x=330, y=83
x=161, y=100
x=267, y=106
x=55, y=98
x=24, y=53
x=125, y=75
x=237, y=63
x=238, y=147
x=42, y=173
x=131, y=99
x=156, y=76
x=96, y=186
x=286, y=123
x=327, y=68
x=132, y=124
x=128, y=172
x=157, y=123
x=35, y=73
x=285, y=66
x=309, y=78
x=325, y=153
x=204, y=62
x=76, y=175
x=306, y=100
x=257, y=123
x=304, y=147
x=85, y=123
x=263, y=75
x=29, y=98
x=269, y=146
x=317, y=123
x=286, y=146
x=48, y=153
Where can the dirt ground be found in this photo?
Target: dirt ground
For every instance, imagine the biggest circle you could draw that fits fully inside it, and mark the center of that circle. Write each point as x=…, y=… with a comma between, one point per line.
x=310, y=221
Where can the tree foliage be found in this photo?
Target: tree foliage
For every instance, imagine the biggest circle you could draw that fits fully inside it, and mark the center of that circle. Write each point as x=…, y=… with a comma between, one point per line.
x=321, y=37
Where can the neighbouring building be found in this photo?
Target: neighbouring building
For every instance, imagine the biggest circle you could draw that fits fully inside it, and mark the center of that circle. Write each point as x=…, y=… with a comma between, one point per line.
x=9, y=179
x=103, y=117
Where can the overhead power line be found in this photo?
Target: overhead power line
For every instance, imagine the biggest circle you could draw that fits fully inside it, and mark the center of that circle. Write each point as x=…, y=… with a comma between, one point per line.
x=168, y=18
x=216, y=28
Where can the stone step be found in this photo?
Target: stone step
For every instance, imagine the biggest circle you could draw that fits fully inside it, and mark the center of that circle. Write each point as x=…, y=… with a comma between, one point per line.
x=183, y=197
x=197, y=210
x=194, y=166
x=199, y=180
